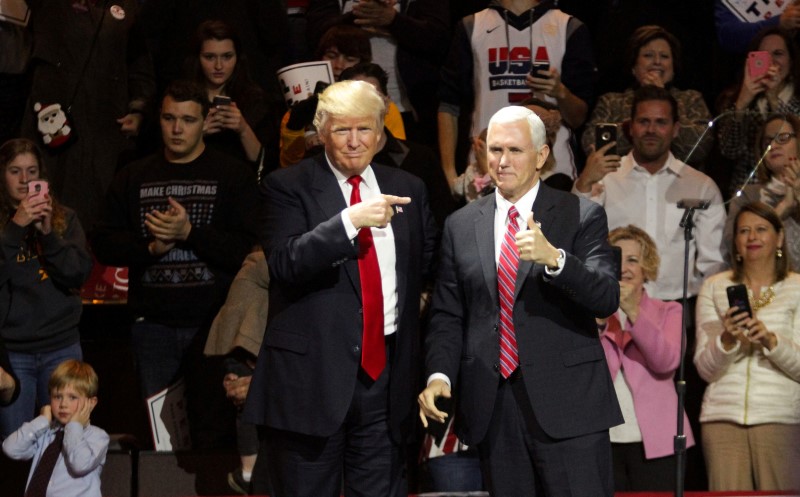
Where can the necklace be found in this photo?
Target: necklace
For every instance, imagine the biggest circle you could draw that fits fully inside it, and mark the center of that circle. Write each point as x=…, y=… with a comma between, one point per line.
x=765, y=299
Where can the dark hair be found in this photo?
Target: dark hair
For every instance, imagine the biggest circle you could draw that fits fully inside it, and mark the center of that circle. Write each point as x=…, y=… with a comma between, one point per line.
x=240, y=85
x=764, y=211
x=644, y=35
x=187, y=91
x=369, y=70
x=647, y=93
x=9, y=151
x=764, y=174
x=348, y=40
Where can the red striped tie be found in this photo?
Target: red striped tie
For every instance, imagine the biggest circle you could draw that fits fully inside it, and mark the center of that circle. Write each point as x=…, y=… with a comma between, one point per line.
x=506, y=278
x=373, y=346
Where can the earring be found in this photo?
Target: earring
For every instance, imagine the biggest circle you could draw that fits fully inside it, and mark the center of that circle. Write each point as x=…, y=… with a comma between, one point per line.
x=779, y=253
x=738, y=257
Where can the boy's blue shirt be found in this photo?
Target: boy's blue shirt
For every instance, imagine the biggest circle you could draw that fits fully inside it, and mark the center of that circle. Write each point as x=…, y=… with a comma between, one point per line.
x=77, y=471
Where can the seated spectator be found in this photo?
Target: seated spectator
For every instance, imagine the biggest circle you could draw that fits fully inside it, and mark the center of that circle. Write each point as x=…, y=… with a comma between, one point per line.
x=654, y=57
x=240, y=126
x=642, y=344
x=343, y=46
x=778, y=183
x=750, y=417
x=236, y=334
x=752, y=99
x=68, y=453
x=44, y=262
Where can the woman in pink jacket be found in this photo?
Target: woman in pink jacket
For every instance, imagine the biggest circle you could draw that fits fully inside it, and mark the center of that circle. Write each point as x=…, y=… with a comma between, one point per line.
x=642, y=346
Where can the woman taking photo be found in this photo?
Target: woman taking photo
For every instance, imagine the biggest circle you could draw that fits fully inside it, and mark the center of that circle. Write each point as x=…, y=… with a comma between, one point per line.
x=778, y=183
x=239, y=121
x=750, y=416
x=654, y=58
x=754, y=98
x=642, y=343
x=45, y=261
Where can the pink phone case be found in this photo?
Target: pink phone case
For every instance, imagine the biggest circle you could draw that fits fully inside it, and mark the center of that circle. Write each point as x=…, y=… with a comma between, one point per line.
x=37, y=188
x=758, y=63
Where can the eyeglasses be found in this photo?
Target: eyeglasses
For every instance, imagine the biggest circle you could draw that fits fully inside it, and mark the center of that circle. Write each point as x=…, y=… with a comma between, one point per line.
x=780, y=138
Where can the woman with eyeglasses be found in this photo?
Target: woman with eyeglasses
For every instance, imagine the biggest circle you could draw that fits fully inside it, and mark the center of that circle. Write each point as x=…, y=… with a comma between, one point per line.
x=778, y=182
x=754, y=98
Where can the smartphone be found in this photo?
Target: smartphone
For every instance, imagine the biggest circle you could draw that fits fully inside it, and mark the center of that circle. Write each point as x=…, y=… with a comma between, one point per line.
x=737, y=296
x=221, y=100
x=617, y=262
x=758, y=63
x=605, y=133
x=37, y=188
x=539, y=69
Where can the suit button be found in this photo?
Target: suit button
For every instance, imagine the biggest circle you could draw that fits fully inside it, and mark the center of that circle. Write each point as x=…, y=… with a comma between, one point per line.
x=356, y=349
x=496, y=367
x=495, y=328
x=361, y=310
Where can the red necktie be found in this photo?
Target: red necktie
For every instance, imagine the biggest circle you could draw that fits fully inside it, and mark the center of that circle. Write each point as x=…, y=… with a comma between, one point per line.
x=614, y=328
x=37, y=487
x=373, y=347
x=506, y=279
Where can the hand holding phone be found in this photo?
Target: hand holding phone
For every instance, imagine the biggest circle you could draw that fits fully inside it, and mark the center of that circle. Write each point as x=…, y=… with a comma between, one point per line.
x=758, y=63
x=221, y=100
x=38, y=188
x=738, y=297
x=605, y=133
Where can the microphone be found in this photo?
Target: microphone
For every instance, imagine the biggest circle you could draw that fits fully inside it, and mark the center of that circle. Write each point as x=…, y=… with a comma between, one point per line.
x=691, y=205
x=694, y=203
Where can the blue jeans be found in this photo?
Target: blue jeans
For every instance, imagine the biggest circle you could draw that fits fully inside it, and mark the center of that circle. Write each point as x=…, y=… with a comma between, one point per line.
x=33, y=371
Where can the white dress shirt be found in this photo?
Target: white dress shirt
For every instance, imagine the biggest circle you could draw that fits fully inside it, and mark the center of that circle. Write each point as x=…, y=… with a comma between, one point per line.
x=631, y=195
x=384, y=243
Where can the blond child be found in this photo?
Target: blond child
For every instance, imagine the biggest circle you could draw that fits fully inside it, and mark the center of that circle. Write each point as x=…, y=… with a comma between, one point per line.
x=65, y=422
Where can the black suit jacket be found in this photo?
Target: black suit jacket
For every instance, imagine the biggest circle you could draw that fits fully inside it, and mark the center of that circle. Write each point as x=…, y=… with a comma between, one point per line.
x=308, y=365
x=561, y=358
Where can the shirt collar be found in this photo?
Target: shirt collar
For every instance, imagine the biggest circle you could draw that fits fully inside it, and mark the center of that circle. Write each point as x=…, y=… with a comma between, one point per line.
x=368, y=176
x=672, y=165
x=524, y=205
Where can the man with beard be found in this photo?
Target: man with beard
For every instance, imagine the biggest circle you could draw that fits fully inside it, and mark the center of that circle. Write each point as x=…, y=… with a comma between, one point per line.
x=644, y=187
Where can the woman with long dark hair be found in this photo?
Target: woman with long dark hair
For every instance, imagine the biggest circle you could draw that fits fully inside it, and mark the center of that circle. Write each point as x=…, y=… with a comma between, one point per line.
x=240, y=125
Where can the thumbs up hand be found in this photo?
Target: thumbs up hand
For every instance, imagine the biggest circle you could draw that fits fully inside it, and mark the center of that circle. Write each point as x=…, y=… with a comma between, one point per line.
x=533, y=245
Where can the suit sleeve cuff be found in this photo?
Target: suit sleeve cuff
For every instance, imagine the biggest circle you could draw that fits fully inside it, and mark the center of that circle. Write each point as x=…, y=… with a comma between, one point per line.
x=562, y=259
x=349, y=228
x=440, y=376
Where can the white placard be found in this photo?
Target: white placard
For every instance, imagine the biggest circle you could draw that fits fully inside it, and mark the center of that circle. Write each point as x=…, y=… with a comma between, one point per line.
x=168, y=420
x=15, y=11
x=756, y=10
x=298, y=81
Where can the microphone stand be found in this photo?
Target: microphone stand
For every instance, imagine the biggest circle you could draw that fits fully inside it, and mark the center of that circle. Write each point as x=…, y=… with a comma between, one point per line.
x=687, y=223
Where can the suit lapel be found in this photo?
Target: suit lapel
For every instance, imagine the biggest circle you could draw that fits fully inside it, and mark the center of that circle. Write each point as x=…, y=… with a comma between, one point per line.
x=484, y=237
x=328, y=195
x=544, y=214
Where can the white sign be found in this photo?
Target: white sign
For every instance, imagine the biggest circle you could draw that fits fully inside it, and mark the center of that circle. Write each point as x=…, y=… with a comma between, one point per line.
x=168, y=420
x=756, y=10
x=299, y=81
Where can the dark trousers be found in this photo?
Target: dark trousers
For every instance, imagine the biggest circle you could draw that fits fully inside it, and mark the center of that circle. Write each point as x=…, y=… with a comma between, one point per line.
x=361, y=452
x=634, y=473
x=519, y=458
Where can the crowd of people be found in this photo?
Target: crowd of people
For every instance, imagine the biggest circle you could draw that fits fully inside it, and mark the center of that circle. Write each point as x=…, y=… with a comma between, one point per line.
x=456, y=255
